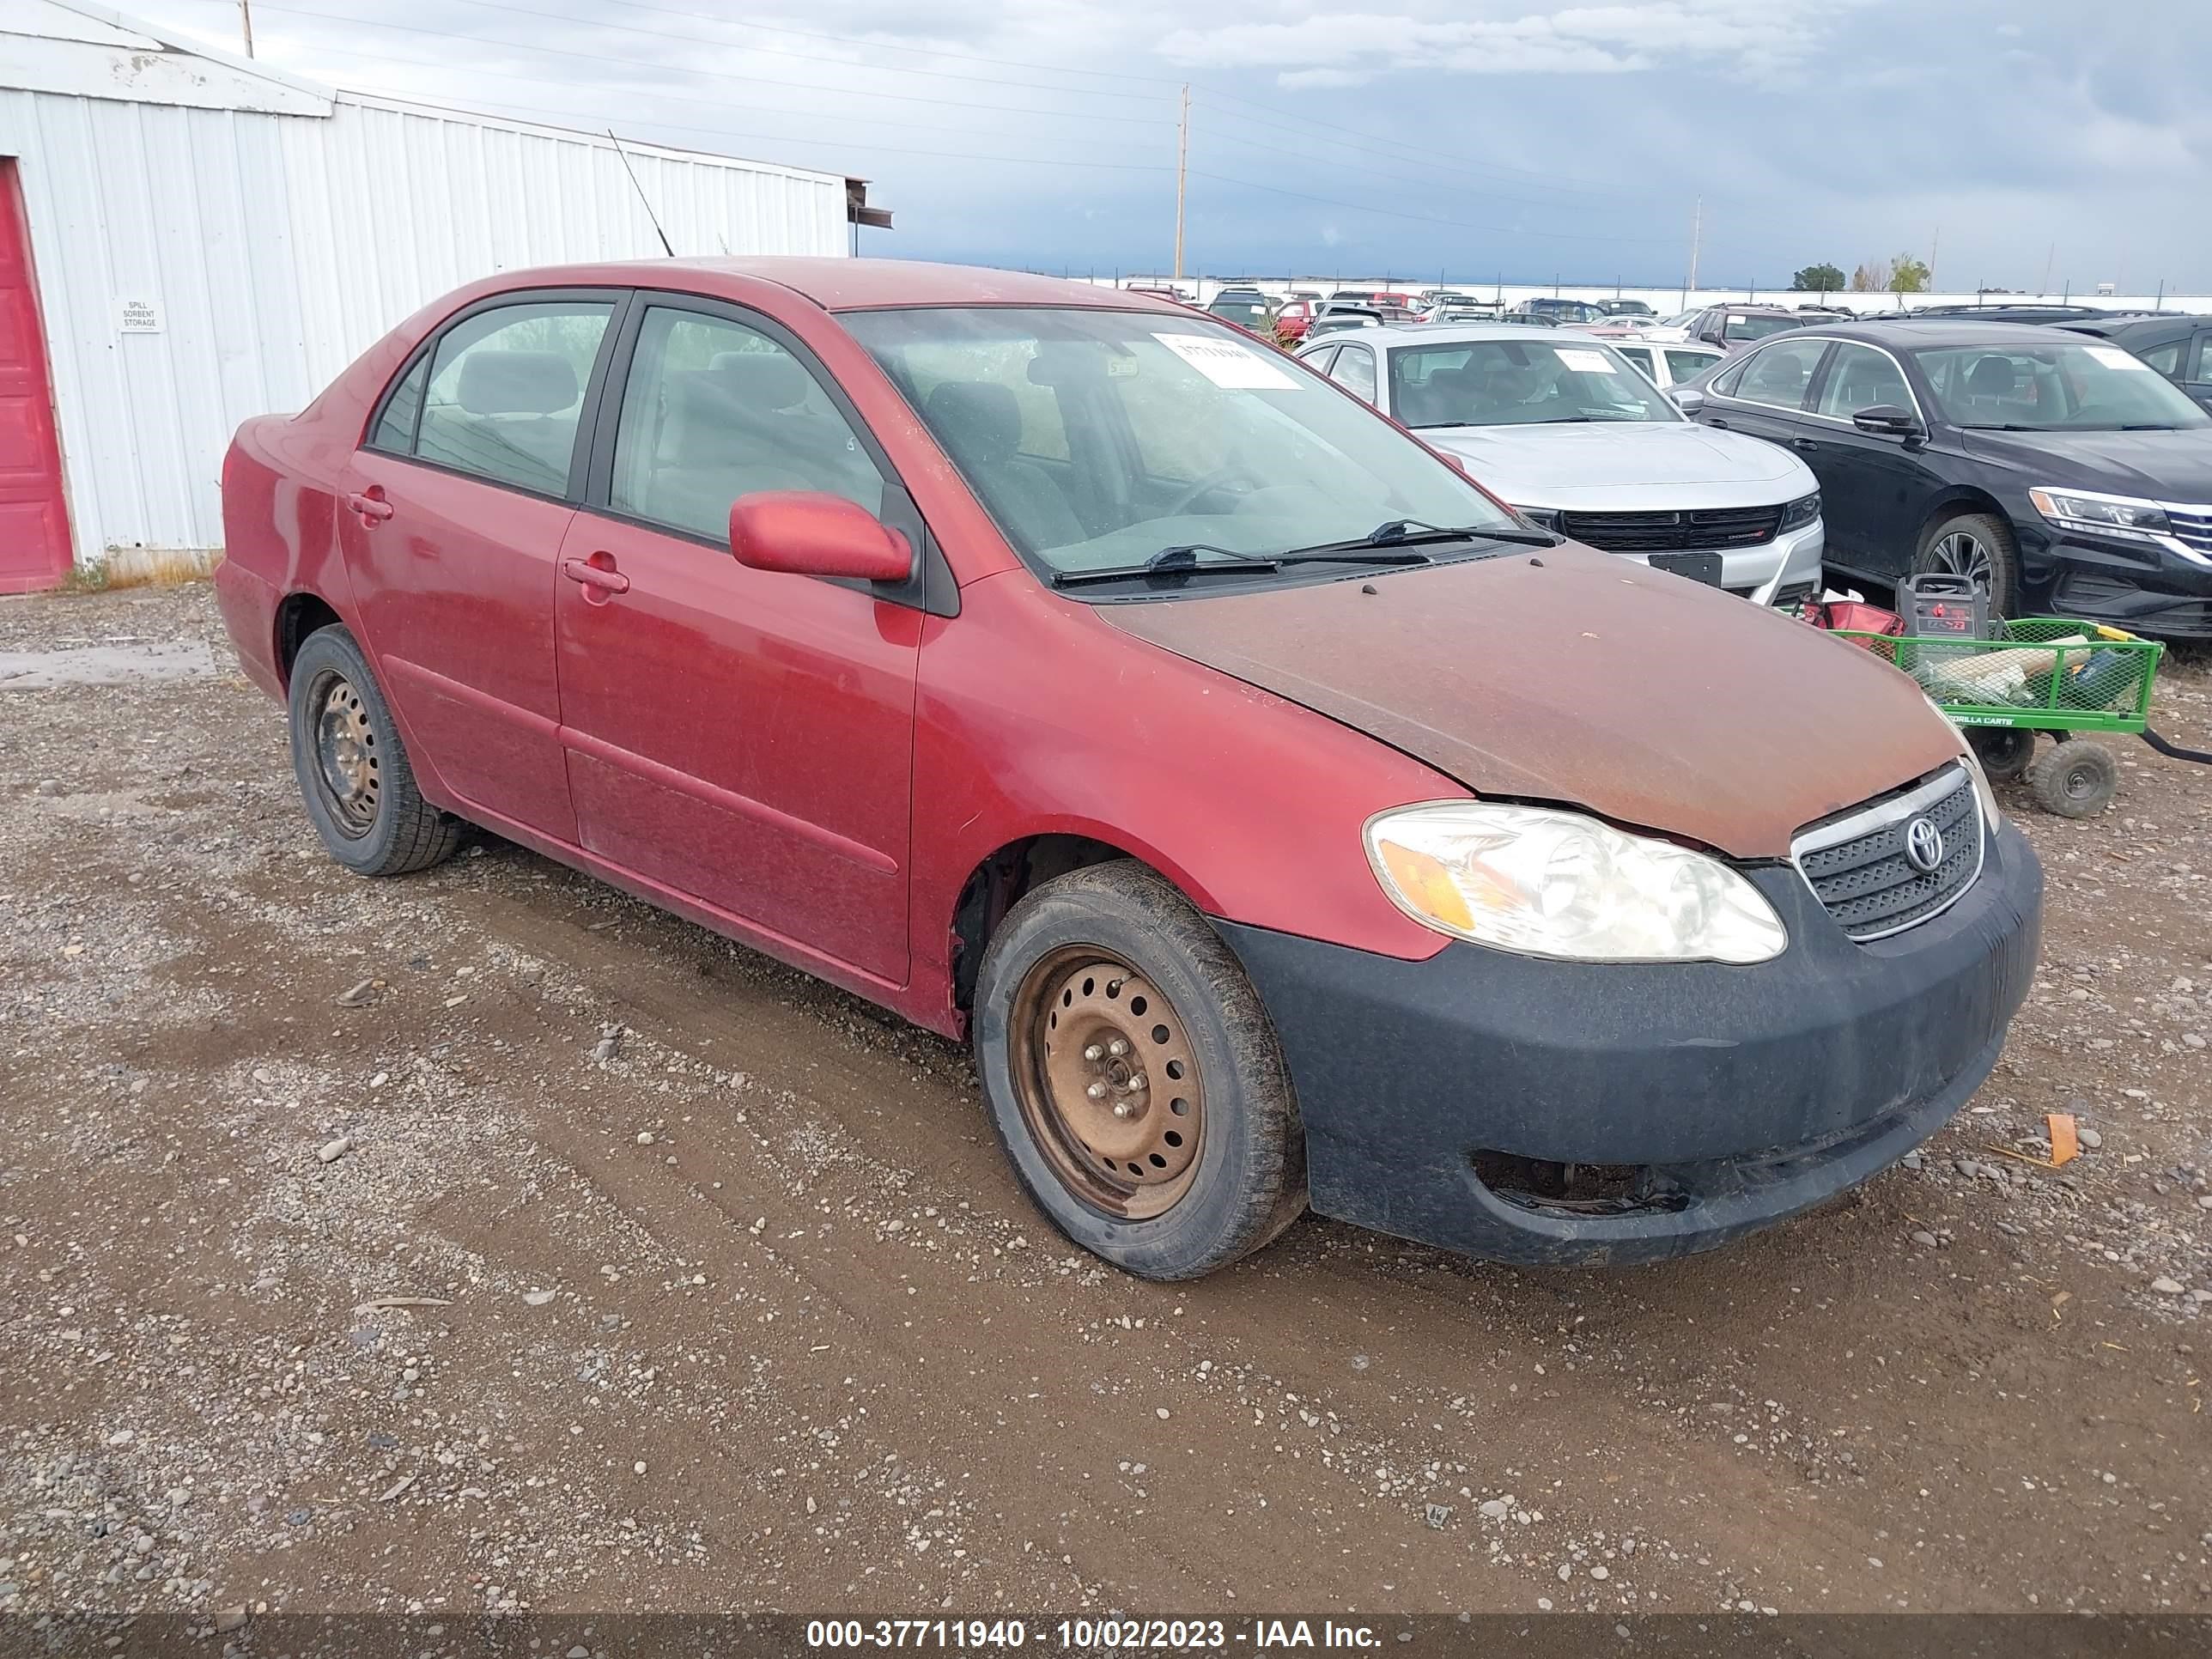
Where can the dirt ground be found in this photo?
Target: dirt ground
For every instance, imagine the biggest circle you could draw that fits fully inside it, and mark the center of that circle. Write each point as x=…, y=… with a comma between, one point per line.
x=487, y=1240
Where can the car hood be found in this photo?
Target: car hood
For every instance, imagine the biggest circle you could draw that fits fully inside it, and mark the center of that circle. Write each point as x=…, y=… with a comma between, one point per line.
x=2166, y=466
x=1571, y=677
x=1621, y=466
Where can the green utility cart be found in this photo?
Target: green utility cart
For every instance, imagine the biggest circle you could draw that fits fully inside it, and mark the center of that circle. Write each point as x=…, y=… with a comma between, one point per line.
x=2041, y=674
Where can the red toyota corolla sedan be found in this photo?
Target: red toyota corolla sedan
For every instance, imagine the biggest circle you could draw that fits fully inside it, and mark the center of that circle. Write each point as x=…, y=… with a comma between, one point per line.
x=1283, y=819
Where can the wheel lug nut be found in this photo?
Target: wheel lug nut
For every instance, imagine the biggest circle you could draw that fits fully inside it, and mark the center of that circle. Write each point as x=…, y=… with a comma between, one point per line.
x=1138, y=1081
x=1118, y=1048
x=1094, y=1052
x=1096, y=1091
x=1122, y=1108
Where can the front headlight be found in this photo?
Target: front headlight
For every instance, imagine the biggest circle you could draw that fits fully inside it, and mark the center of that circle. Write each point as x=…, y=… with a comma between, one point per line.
x=1802, y=512
x=2123, y=517
x=1551, y=884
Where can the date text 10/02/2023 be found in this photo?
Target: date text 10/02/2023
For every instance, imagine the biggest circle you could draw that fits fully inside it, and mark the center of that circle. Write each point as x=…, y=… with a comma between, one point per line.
x=1089, y=1635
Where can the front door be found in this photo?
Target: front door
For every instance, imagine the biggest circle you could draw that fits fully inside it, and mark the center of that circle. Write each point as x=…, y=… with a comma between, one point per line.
x=742, y=736
x=1872, y=484
x=453, y=528
x=35, y=540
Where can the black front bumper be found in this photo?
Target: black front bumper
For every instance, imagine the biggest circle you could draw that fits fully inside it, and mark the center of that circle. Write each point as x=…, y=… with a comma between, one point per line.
x=2149, y=590
x=1565, y=1113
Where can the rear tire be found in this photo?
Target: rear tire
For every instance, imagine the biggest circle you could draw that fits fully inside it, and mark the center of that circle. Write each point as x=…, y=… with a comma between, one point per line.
x=1975, y=544
x=352, y=768
x=2075, y=780
x=1179, y=1150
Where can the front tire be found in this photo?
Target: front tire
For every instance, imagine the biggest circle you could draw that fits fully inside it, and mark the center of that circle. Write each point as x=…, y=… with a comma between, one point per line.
x=352, y=768
x=1134, y=1077
x=1976, y=545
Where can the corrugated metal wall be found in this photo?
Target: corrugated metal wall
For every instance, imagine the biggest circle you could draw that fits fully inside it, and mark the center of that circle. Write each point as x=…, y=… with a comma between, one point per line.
x=279, y=246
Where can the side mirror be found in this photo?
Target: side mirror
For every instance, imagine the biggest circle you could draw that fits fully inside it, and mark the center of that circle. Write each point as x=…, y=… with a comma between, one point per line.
x=806, y=533
x=1687, y=399
x=1888, y=420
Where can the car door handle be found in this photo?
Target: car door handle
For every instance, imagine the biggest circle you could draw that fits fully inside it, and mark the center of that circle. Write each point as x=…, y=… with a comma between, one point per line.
x=1803, y=443
x=1714, y=420
x=373, y=510
x=601, y=577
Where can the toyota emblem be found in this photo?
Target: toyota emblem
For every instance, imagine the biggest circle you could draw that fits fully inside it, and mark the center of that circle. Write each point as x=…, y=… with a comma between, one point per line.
x=1924, y=845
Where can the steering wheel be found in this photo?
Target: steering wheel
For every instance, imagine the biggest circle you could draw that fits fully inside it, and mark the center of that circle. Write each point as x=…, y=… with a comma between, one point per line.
x=1234, y=472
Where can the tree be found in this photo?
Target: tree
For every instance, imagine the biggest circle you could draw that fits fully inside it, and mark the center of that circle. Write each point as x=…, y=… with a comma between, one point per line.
x=1817, y=279
x=1871, y=279
x=1908, y=274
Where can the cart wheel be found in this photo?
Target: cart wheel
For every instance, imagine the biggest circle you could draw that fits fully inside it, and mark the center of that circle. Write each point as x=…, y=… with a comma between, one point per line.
x=2003, y=750
x=2075, y=779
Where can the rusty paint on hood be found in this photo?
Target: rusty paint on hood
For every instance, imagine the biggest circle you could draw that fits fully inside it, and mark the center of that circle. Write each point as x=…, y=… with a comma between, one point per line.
x=1581, y=678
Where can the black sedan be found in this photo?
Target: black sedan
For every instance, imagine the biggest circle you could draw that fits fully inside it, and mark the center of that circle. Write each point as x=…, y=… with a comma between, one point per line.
x=2060, y=471
x=2179, y=347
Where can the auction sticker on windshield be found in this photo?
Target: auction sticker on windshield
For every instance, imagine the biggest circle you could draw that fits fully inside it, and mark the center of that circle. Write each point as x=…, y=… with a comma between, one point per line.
x=1228, y=364
x=2113, y=357
x=1583, y=362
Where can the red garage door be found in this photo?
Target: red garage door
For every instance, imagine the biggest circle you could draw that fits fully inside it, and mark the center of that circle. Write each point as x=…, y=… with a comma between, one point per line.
x=34, y=549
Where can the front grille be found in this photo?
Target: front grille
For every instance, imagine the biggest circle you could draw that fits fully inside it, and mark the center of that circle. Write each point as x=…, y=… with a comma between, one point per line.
x=2193, y=527
x=1707, y=530
x=1859, y=866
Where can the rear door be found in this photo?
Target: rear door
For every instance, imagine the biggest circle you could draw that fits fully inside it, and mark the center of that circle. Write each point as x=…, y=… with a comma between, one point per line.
x=742, y=738
x=1763, y=393
x=35, y=540
x=452, y=526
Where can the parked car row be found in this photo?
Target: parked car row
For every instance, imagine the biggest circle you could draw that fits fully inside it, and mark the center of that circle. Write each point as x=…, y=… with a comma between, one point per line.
x=1283, y=819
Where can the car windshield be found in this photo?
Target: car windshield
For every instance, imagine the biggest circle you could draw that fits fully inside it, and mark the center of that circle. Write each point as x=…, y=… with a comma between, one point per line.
x=1099, y=439
x=1741, y=326
x=1574, y=311
x=2059, y=387
x=1520, y=383
x=1250, y=314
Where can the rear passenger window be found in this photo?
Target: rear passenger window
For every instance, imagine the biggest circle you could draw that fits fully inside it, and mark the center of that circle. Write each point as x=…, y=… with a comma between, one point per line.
x=715, y=410
x=1355, y=371
x=504, y=394
x=1688, y=365
x=395, y=428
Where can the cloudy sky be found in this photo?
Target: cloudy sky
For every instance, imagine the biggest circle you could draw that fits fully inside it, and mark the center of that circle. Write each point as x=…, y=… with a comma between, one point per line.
x=1484, y=138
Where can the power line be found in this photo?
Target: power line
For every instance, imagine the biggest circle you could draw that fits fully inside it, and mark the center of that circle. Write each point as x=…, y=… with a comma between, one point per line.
x=568, y=116
x=780, y=51
x=354, y=52
x=602, y=57
x=1324, y=160
x=1423, y=218
x=1420, y=155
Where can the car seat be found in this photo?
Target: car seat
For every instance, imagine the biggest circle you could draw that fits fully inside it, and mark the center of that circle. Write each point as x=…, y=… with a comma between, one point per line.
x=514, y=418
x=980, y=425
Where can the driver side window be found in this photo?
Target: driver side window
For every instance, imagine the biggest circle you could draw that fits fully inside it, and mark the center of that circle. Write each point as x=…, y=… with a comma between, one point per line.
x=715, y=410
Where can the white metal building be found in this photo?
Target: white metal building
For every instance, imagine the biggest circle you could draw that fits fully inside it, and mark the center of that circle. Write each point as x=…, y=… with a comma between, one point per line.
x=188, y=238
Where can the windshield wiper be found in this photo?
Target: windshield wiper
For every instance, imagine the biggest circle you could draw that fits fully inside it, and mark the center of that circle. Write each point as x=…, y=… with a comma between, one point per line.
x=1412, y=532
x=1181, y=560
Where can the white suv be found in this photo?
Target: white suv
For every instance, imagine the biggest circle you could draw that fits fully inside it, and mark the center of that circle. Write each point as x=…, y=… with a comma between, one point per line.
x=1560, y=425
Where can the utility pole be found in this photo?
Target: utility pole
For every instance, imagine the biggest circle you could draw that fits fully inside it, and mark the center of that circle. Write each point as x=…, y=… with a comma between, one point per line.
x=1182, y=167
x=1696, y=232
x=245, y=23
x=2049, y=259
x=1934, y=245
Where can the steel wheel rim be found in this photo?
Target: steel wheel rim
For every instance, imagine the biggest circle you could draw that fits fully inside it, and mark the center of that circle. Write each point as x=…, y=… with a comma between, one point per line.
x=1961, y=554
x=348, y=773
x=1121, y=1129
x=2080, y=781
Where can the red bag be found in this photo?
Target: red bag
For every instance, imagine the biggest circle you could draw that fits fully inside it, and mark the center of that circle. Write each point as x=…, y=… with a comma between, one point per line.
x=1853, y=614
